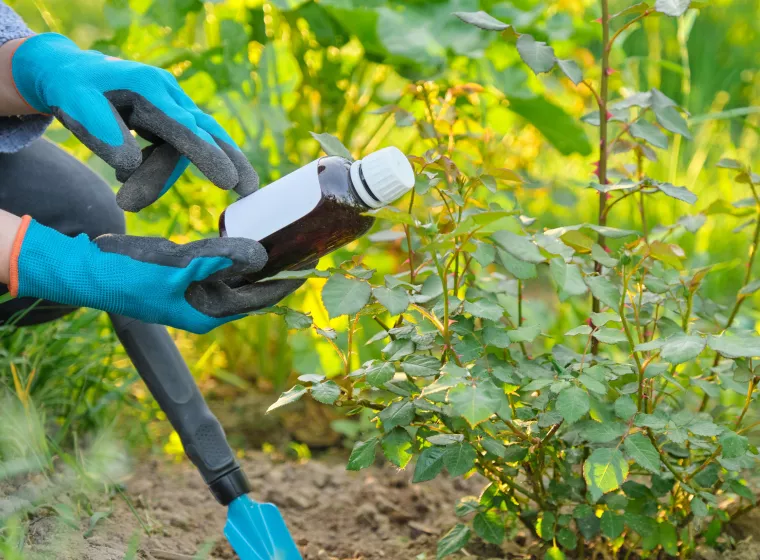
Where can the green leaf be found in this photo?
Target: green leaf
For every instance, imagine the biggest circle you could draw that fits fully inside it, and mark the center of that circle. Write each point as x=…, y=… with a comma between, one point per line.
x=421, y=366
x=395, y=300
x=378, y=374
x=672, y=8
x=735, y=346
x=705, y=429
x=95, y=518
x=670, y=119
x=489, y=526
x=602, y=432
x=592, y=384
x=459, y=459
x=639, y=8
x=612, y=525
x=740, y=489
x=554, y=553
x=496, y=336
x=602, y=257
x=362, y=455
x=605, y=470
x=698, y=507
x=484, y=309
x=604, y=290
x=289, y=397
x=494, y=447
x=446, y=439
x=326, y=393
x=297, y=320
x=482, y=20
x=526, y=333
x=519, y=269
x=679, y=193
x=536, y=54
x=567, y=538
x=727, y=163
x=345, y=296
x=397, y=447
x=649, y=133
x=640, y=449
x=610, y=336
x=734, y=445
x=571, y=69
x=518, y=246
x=650, y=421
x=429, y=464
x=573, y=403
x=332, y=146
x=750, y=288
x=559, y=128
x=668, y=538
x=400, y=413
x=682, y=348
x=625, y=408
x=453, y=541
x=473, y=403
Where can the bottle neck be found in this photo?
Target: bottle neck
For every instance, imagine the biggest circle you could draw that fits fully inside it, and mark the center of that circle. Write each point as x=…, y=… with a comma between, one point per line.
x=361, y=188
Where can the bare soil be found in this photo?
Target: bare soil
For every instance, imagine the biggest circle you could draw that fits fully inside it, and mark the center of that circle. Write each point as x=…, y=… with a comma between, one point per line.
x=332, y=513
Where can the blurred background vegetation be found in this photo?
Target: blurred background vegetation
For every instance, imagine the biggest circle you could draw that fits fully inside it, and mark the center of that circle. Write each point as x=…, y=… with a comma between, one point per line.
x=273, y=71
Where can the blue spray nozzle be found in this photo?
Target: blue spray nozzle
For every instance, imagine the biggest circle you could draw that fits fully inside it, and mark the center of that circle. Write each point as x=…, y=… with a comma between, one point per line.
x=258, y=531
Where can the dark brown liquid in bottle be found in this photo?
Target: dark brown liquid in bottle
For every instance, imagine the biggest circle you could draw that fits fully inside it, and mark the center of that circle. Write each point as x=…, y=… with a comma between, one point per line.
x=334, y=222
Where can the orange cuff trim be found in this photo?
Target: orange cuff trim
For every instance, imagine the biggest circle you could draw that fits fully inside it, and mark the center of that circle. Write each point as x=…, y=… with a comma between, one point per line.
x=12, y=51
x=15, y=251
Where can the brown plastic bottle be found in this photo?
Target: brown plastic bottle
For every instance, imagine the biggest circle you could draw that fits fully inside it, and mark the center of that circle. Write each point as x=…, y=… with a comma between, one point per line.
x=318, y=208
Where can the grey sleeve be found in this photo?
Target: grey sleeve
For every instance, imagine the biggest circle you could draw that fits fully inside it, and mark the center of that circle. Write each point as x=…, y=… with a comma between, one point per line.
x=17, y=132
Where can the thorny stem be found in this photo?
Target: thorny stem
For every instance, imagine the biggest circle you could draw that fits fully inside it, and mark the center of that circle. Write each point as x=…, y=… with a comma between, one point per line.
x=664, y=458
x=627, y=25
x=642, y=210
x=602, y=102
x=704, y=465
x=747, y=402
x=507, y=481
x=350, y=349
x=430, y=317
x=409, y=241
x=520, y=312
x=629, y=336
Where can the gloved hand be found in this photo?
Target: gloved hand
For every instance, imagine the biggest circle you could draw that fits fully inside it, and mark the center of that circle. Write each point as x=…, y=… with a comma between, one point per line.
x=195, y=287
x=101, y=98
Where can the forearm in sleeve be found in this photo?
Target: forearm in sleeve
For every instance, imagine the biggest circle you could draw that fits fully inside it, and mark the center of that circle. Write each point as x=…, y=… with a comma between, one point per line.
x=17, y=132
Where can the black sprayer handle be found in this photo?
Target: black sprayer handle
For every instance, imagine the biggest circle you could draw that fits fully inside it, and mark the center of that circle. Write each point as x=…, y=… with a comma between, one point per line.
x=159, y=363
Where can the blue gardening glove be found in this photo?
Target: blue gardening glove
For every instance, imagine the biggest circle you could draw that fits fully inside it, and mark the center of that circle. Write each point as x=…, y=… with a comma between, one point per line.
x=100, y=98
x=195, y=287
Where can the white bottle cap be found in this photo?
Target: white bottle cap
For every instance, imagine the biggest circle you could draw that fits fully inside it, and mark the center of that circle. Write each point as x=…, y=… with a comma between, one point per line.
x=382, y=177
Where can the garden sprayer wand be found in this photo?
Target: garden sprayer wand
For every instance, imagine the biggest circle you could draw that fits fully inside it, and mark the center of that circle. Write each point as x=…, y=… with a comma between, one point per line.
x=256, y=531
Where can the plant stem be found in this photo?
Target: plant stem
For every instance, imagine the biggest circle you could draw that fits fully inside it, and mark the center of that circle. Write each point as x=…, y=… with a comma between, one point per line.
x=664, y=458
x=629, y=24
x=520, y=312
x=629, y=336
x=642, y=210
x=747, y=402
x=408, y=231
x=602, y=101
x=350, y=349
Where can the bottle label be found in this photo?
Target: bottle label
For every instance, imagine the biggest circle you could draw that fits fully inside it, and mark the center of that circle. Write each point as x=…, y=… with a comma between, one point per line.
x=270, y=209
